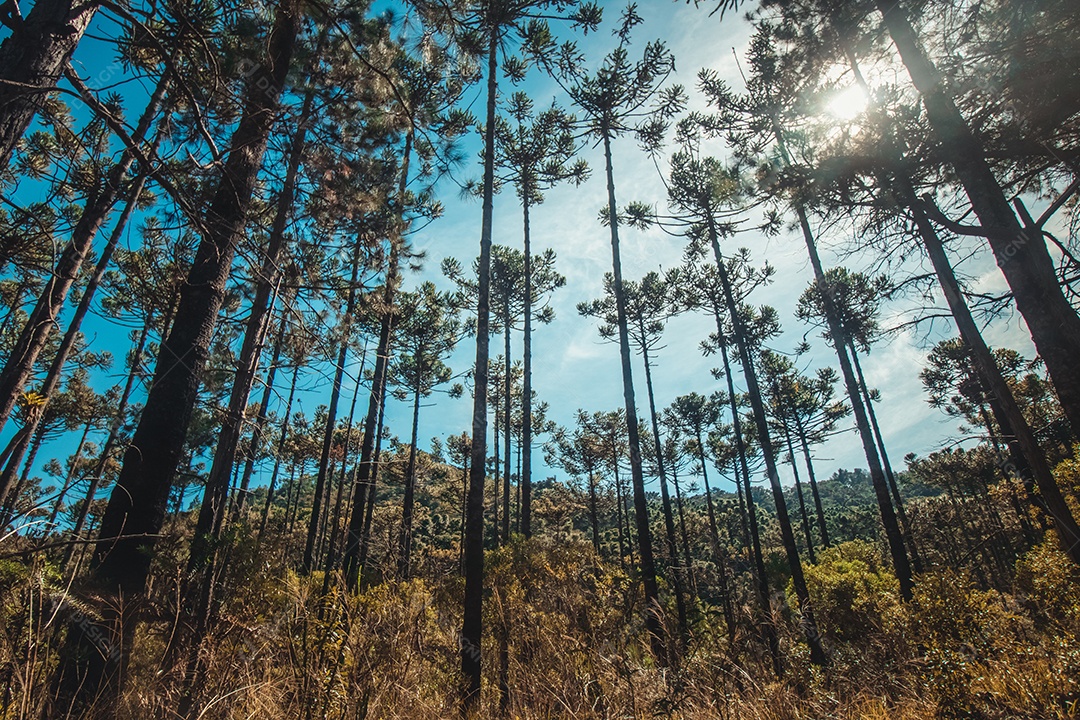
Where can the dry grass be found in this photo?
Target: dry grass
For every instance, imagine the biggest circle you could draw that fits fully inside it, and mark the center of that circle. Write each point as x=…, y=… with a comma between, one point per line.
x=576, y=649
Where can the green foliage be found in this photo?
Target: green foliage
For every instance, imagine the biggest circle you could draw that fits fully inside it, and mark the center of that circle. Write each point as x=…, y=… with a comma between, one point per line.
x=1049, y=584
x=855, y=594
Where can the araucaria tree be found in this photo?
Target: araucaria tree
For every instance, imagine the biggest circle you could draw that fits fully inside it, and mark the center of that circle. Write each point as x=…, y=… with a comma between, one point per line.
x=533, y=152
x=623, y=97
x=426, y=335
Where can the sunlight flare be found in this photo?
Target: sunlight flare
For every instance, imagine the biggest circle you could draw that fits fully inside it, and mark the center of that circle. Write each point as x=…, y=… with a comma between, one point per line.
x=847, y=104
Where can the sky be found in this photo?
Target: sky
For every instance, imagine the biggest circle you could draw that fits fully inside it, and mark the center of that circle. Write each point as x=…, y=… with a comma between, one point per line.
x=573, y=367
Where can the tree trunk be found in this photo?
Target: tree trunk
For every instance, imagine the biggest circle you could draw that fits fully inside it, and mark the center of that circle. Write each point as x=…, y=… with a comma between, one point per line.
x=813, y=637
x=1019, y=250
x=280, y=450
x=665, y=501
x=1064, y=522
x=32, y=442
x=138, y=503
x=110, y=441
x=364, y=486
x=653, y=612
x=624, y=540
x=255, y=441
x=496, y=425
x=369, y=509
x=813, y=485
x=525, y=481
x=893, y=535
x=335, y=521
x=894, y=487
x=331, y=418
x=594, y=516
x=472, y=620
x=507, y=423
x=212, y=513
x=714, y=539
x=69, y=479
x=761, y=581
x=464, y=510
x=32, y=59
x=405, y=539
x=682, y=527
x=802, y=500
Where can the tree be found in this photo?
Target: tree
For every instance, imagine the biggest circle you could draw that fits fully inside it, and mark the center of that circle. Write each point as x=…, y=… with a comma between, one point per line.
x=761, y=126
x=511, y=303
x=617, y=99
x=536, y=153
x=137, y=505
x=32, y=59
x=581, y=453
x=428, y=332
x=697, y=415
x=1018, y=247
x=701, y=189
x=704, y=288
x=647, y=305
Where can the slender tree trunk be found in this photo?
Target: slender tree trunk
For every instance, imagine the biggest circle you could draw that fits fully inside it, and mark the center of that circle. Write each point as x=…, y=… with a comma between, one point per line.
x=364, y=488
x=761, y=581
x=665, y=500
x=798, y=580
x=1015, y=457
x=653, y=610
x=335, y=524
x=472, y=620
x=32, y=59
x=215, y=498
x=496, y=426
x=292, y=511
x=813, y=484
x=69, y=479
x=525, y=481
x=464, y=510
x=255, y=441
x=405, y=539
x=322, y=535
x=619, y=505
x=802, y=500
x=901, y=565
x=682, y=527
x=894, y=487
x=594, y=516
x=714, y=539
x=110, y=441
x=39, y=325
x=369, y=508
x=507, y=422
x=1020, y=250
x=331, y=418
x=138, y=503
x=33, y=441
x=280, y=451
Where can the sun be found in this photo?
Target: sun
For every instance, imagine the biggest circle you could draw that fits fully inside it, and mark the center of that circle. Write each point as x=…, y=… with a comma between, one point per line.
x=847, y=104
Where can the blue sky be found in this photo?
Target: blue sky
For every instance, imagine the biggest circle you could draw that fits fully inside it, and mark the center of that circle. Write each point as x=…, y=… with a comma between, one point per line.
x=573, y=367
